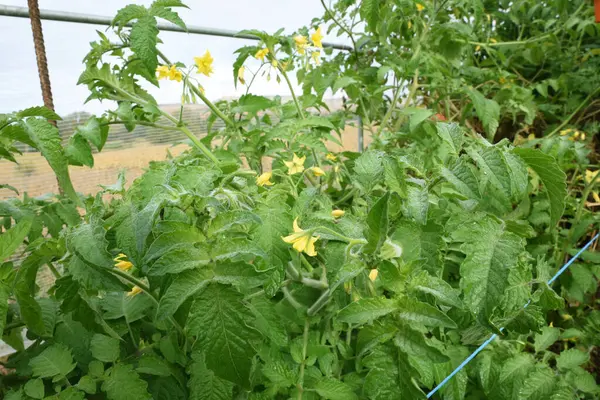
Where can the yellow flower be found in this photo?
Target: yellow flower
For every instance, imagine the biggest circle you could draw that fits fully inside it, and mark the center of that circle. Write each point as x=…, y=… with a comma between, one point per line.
x=264, y=179
x=163, y=71
x=135, y=290
x=373, y=274
x=336, y=168
x=502, y=80
x=121, y=263
x=409, y=25
x=477, y=48
x=296, y=165
x=492, y=40
x=204, y=63
x=420, y=7
x=596, y=197
x=338, y=213
x=565, y=132
x=301, y=240
x=331, y=157
x=317, y=37
x=175, y=74
x=317, y=171
x=589, y=175
x=241, y=71
x=301, y=43
x=274, y=63
x=261, y=54
x=316, y=57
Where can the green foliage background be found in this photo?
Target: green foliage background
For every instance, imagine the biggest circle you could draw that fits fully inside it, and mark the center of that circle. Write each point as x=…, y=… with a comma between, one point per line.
x=478, y=185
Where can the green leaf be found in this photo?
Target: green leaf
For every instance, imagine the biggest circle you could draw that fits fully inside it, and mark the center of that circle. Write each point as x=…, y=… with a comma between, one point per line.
x=128, y=13
x=377, y=225
x=185, y=285
x=332, y=389
x=87, y=384
x=410, y=311
x=4, y=293
x=56, y=360
x=11, y=239
x=228, y=220
x=79, y=152
x=369, y=12
x=89, y=243
x=342, y=82
x=46, y=138
x=437, y=288
x=38, y=111
x=551, y=175
x=153, y=365
x=364, y=310
x=413, y=343
x=104, y=348
x=252, y=104
x=224, y=334
x=168, y=15
x=239, y=274
x=143, y=39
x=571, y=358
x=71, y=393
x=417, y=116
x=539, y=385
x=490, y=253
x=170, y=241
x=487, y=110
x=463, y=178
x=417, y=204
x=268, y=322
x=35, y=388
x=132, y=308
x=179, y=260
x=123, y=383
x=204, y=384
x=452, y=135
x=546, y=338
x=93, y=131
x=368, y=170
x=276, y=222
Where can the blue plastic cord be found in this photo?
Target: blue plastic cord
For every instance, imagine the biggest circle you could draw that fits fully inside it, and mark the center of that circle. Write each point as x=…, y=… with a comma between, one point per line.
x=494, y=336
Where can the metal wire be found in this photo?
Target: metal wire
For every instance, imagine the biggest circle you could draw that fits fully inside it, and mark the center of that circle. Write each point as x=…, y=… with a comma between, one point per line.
x=64, y=16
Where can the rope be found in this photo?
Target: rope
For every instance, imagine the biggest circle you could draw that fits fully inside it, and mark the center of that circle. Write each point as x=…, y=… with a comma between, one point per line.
x=40, y=53
x=42, y=62
x=494, y=336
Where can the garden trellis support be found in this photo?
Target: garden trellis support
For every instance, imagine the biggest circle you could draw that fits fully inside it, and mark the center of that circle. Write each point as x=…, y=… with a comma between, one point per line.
x=63, y=16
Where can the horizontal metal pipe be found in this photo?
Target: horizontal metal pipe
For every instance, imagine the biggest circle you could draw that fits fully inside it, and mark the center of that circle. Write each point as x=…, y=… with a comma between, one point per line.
x=64, y=16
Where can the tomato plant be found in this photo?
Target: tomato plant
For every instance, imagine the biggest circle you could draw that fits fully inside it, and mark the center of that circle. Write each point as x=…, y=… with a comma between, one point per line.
x=258, y=264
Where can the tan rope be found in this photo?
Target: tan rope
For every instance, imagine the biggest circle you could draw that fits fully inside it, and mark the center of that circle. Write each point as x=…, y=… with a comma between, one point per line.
x=40, y=53
x=42, y=62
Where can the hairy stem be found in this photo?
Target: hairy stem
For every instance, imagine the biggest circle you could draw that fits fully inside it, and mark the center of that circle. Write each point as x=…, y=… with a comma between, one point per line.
x=303, y=363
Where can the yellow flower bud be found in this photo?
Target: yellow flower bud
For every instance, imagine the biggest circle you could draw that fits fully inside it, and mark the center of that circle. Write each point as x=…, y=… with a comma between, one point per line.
x=338, y=213
x=373, y=275
x=317, y=171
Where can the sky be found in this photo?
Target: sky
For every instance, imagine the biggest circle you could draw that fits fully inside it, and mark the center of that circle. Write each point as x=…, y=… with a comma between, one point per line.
x=67, y=44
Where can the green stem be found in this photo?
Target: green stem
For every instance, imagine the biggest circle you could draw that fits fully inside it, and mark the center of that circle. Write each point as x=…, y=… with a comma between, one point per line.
x=320, y=303
x=210, y=105
x=513, y=42
x=55, y=272
x=193, y=138
x=303, y=363
x=289, y=83
x=566, y=121
x=337, y=234
x=347, y=196
x=145, y=123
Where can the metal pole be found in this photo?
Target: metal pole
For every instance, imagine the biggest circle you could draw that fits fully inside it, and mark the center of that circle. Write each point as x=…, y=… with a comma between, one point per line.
x=64, y=16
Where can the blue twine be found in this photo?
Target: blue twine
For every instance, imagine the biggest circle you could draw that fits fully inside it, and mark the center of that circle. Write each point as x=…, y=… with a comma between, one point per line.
x=494, y=336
